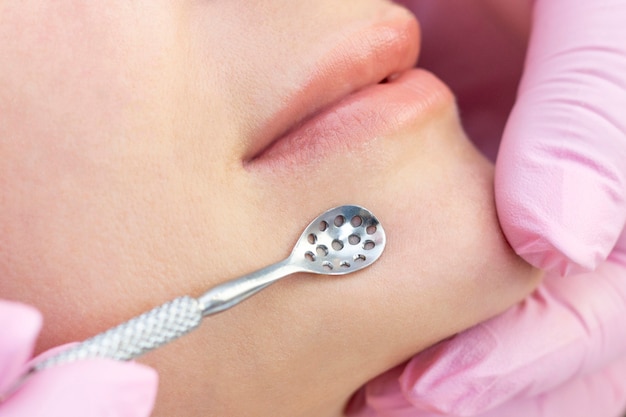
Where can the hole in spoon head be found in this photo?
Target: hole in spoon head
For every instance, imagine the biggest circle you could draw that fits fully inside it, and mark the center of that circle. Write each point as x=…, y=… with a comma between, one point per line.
x=359, y=258
x=356, y=221
x=312, y=238
x=368, y=245
x=327, y=266
x=339, y=220
x=344, y=264
x=309, y=256
x=354, y=239
x=370, y=230
x=322, y=250
x=323, y=226
x=337, y=244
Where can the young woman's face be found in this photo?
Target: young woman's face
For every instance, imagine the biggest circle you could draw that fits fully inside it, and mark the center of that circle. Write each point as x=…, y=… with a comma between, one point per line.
x=151, y=149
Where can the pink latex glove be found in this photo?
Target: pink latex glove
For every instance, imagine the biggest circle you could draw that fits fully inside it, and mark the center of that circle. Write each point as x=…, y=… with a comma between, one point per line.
x=560, y=190
x=561, y=168
x=95, y=388
x=562, y=352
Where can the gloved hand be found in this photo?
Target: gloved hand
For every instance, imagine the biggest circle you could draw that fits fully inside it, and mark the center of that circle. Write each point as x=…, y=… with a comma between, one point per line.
x=560, y=169
x=561, y=198
x=95, y=388
x=562, y=352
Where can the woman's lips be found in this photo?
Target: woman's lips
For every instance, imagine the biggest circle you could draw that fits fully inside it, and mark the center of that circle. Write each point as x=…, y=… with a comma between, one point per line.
x=364, y=54
x=357, y=119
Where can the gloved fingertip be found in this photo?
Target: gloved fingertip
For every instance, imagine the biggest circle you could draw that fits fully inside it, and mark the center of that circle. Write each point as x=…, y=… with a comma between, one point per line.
x=384, y=393
x=384, y=396
x=543, y=251
x=19, y=321
x=557, y=217
x=20, y=326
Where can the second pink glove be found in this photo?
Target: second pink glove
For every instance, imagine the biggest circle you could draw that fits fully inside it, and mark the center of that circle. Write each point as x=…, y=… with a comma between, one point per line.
x=95, y=388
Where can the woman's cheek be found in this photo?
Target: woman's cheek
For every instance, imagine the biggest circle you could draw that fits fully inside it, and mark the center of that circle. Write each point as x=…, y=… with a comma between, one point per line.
x=446, y=266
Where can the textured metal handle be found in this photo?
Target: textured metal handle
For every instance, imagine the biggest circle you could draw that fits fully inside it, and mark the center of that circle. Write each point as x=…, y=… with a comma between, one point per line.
x=137, y=336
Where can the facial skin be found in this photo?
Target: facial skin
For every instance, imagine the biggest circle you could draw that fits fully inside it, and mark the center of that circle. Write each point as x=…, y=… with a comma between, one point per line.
x=132, y=171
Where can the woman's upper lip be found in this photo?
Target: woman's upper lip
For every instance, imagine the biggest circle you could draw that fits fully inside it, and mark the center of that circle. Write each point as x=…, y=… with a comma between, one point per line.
x=364, y=58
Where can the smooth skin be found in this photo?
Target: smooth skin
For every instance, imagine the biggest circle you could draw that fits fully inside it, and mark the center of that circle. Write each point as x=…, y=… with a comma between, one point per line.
x=127, y=134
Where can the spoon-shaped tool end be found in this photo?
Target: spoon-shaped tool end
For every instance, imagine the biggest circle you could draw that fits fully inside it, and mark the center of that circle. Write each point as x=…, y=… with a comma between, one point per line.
x=342, y=240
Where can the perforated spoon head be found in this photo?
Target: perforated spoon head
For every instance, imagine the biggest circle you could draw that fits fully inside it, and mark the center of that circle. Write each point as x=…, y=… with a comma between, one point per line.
x=341, y=240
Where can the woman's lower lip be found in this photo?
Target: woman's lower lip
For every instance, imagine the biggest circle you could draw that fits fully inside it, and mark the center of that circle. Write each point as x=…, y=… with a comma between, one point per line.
x=357, y=119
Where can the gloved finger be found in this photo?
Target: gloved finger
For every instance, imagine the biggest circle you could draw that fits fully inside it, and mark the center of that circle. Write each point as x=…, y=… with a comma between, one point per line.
x=619, y=252
x=568, y=327
x=20, y=325
x=95, y=388
x=383, y=397
x=560, y=172
x=601, y=394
